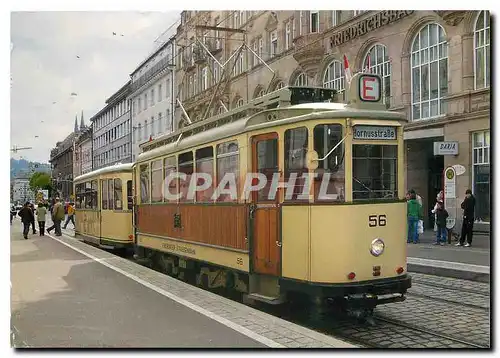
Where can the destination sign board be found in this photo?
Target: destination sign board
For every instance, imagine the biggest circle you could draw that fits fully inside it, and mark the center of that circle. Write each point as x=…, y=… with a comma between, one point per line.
x=374, y=132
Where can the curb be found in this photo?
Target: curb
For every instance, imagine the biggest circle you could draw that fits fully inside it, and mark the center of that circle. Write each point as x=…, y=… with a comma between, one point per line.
x=449, y=269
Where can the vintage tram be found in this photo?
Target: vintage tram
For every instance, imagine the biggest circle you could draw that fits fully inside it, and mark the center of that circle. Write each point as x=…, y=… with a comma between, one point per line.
x=104, y=207
x=337, y=231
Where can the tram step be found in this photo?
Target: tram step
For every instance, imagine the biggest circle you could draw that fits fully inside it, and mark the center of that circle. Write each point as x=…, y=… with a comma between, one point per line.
x=266, y=299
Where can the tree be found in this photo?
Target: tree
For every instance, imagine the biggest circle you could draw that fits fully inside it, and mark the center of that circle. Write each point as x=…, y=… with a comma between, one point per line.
x=40, y=181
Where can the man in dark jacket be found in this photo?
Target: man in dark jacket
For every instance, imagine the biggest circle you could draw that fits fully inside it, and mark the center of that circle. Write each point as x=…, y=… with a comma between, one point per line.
x=32, y=207
x=468, y=205
x=26, y=217
x=441, y=216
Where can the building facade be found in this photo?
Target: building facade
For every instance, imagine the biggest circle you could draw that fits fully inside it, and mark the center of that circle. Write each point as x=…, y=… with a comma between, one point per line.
x=435, y=67
x=152, y=96
x=62, y=161
x=21, y=191
x=111, y=131
x=82, y=162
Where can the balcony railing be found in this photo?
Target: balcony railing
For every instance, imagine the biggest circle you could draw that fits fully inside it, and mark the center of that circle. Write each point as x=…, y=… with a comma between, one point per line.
x=162, y=64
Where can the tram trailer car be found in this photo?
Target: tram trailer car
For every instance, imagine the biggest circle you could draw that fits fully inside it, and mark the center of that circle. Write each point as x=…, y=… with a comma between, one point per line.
x=350, y=247
x=104, y=207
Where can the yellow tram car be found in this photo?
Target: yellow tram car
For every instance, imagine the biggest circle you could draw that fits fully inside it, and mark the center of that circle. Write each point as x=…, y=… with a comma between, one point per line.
x=104, y=207
x=349, y=246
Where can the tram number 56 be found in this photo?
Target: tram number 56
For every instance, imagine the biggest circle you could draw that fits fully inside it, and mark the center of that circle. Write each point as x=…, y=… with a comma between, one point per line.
x=377, y=220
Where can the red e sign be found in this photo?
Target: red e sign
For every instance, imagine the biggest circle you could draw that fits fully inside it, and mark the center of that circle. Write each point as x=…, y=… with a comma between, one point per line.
x=369, y=88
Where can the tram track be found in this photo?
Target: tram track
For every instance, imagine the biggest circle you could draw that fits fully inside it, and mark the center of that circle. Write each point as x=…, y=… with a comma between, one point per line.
x=450, y=287
x=434, y=298
x=430, y=332
x=379, y=334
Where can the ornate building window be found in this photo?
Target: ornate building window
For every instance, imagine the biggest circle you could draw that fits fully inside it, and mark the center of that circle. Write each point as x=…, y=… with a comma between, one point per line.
x=429, y=72
x=301, y=80
x=334, y=76
x=313, y=22
x=481, y=177
x=482, y=51
x=377, y=61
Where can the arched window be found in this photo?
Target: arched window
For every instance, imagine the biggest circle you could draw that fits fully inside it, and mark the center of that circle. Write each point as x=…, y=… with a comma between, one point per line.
x=301, y=80
x=377, y=61
x=279, y=85
x=482, y=50
x=221, y=110
x=238, y=102
x=429, y=72
x=334, y=76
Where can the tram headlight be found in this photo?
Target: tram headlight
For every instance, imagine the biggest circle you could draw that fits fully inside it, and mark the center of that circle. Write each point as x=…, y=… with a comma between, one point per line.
x=377, y=247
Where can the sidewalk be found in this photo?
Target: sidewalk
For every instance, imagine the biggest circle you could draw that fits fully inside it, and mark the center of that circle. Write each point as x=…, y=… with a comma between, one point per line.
x=471, y=263
x=69, y=294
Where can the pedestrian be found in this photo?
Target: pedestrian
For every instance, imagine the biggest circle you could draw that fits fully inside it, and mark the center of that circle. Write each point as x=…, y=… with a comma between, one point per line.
x=57, y=217
x=439, y=197
x=468, y=206
x=441, y=216
x=414, y=213
x=27, y=218
x=13, y=213
x=40, y=216
x=420, y=222
x=33, y=222
x=71, y=216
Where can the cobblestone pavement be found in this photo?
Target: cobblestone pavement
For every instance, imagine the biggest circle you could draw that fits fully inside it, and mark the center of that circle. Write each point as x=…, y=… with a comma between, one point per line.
x=453, y=283
x=284, y=333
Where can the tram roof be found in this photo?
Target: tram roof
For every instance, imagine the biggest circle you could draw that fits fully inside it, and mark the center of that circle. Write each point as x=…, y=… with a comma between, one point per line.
x=106, y=170
x=303, y=112
x=281, y=107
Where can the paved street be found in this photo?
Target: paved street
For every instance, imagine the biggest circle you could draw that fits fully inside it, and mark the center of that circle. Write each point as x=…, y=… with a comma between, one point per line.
x=63, y=298
x=60, y=298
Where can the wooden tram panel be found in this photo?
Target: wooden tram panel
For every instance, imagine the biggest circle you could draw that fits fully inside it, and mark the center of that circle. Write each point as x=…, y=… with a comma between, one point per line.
x=218, y=225
x=266, y=253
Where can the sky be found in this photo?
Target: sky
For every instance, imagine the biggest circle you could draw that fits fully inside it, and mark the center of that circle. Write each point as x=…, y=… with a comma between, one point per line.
x=45, y=70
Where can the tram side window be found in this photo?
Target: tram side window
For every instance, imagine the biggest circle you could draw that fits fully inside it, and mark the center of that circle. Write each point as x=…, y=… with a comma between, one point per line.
x=267, y=164
x=118, y=194
x=94, y=204
x=170, y=166
x=296, y=142
x=374, y=172
x=104, y=194
x=111, y=197
x=329, y=182
x=144, y=177
x=80, y=194
x=205, y=165
x=186, y=167
x=156, y=181
x=130, y=195
x=228, y=165
x=88, y=195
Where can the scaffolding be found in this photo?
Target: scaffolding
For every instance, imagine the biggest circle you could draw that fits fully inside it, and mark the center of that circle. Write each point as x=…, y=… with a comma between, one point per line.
x=202, y=51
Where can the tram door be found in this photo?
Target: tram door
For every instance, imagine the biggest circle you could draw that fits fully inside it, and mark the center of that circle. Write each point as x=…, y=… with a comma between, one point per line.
x=266, y=245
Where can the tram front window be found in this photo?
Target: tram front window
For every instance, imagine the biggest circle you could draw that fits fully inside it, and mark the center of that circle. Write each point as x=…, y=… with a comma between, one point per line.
x=330, y=176
x=374, y=172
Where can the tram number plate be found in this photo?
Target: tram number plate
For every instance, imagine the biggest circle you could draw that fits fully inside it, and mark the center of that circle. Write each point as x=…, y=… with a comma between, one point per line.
x=377, y=220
